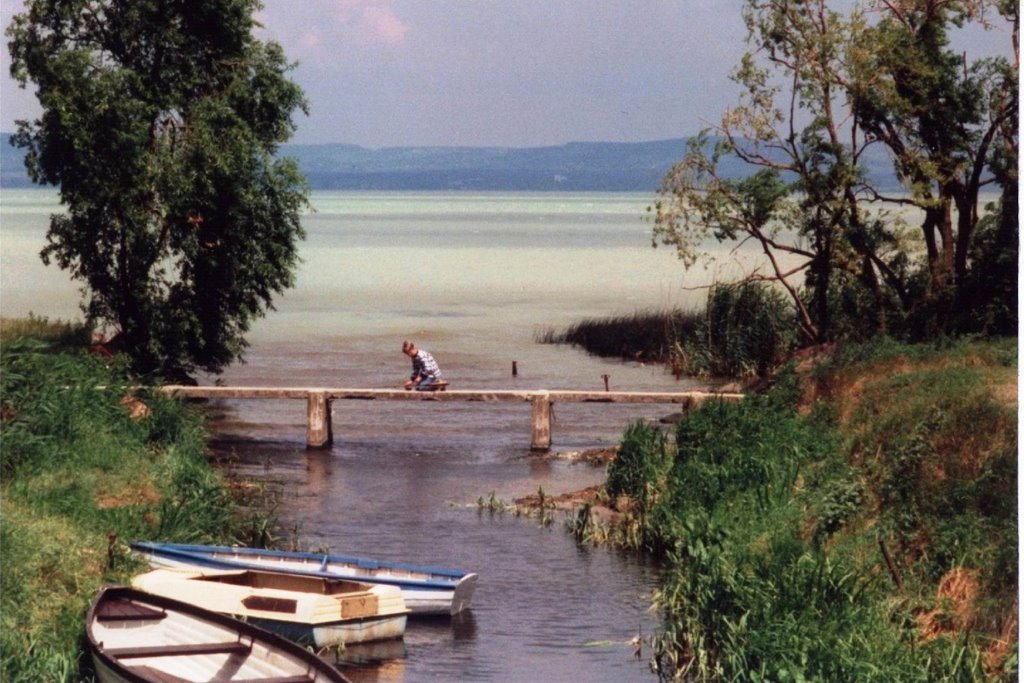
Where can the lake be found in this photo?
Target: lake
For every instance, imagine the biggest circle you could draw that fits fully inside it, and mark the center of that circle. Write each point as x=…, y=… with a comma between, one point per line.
x=473, y=278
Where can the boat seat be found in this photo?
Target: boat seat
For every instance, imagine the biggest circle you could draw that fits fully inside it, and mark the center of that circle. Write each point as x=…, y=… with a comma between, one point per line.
x=182, y=650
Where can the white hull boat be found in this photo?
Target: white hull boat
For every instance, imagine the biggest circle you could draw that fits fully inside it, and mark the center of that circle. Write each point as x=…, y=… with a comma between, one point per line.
x=307, y=609
x=134, y=637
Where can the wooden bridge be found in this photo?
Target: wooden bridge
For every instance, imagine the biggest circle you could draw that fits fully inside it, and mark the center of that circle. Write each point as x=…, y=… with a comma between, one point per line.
x=320, y=434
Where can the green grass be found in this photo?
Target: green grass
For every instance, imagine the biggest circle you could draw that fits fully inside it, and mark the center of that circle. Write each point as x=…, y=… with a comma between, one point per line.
x=81, y=478
x=775, y=517
x=56, y=332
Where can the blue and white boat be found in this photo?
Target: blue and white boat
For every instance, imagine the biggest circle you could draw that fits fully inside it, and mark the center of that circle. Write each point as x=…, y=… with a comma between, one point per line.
x=426, y=590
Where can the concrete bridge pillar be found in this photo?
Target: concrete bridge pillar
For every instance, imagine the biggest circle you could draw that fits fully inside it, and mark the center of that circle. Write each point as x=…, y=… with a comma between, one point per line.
x=541, y=421
x=319, y=431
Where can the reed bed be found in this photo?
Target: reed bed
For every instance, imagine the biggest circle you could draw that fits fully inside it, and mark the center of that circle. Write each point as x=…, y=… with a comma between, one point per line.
x=648, y=336
x=745, y=331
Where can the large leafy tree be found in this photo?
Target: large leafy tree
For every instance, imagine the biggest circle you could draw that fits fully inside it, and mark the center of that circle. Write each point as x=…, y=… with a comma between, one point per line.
x=160, y=123
x=823, y=88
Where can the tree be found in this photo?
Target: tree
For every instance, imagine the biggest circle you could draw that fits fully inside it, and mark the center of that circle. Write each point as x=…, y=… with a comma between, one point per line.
x=160, y=123
x=945, y=122
x=821, y=90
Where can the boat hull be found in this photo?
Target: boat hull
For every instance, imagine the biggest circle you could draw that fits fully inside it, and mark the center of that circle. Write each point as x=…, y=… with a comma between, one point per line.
x=339, y=634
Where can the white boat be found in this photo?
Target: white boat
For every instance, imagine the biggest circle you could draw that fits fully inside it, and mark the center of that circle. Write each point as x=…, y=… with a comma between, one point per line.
x=427, y=590
x=307, y=609
x=135, y=637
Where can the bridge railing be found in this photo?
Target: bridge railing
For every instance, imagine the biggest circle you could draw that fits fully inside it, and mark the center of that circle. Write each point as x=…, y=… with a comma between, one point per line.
x=319, y=430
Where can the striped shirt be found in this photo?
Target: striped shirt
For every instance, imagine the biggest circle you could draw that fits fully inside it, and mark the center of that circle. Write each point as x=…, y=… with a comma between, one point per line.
x=424, y=365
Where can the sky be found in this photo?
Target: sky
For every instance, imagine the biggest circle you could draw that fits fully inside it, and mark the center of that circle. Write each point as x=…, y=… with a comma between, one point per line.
x=508, y=73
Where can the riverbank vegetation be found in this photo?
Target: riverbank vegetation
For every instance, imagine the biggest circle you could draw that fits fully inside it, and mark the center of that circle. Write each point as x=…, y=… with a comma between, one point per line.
x=87, y=464
x=745, y=331
x=856, y=522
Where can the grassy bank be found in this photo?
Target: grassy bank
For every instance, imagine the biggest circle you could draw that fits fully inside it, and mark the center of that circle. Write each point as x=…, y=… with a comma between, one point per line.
x=85, y=468
x=858, y=522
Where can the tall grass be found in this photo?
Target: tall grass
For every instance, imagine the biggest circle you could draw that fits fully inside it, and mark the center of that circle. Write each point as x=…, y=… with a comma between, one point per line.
x=80, y=478
x=745, y=331
x=820, y=531
x=647, y=336
x=57, y=332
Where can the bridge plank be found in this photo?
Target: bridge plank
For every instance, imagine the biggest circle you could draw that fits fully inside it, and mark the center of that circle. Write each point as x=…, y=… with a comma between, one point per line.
x=320, y=433
x=564, y=396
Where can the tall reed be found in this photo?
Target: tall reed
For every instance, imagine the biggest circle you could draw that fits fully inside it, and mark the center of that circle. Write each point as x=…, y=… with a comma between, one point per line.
x=745, y=330
x=648, y=336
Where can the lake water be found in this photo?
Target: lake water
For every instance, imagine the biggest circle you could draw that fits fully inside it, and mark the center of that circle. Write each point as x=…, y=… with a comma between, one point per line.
x=472, y=278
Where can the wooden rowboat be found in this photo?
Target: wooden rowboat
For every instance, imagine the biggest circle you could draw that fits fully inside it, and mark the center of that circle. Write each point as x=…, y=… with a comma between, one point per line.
x=307, y=609
x=134, y=637
x=427, y=590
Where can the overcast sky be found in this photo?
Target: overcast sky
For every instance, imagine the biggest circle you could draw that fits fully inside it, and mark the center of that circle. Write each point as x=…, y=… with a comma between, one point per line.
x=501, y=72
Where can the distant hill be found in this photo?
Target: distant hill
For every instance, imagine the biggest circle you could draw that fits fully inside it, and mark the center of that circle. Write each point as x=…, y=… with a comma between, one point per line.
x=576, y=166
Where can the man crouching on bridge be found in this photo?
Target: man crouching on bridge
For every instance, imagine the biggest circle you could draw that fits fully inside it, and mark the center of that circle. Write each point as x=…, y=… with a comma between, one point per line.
x=426, y=375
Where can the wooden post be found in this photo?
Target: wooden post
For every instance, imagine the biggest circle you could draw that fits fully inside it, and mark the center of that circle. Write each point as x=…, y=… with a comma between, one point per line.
x=541, y=422
x=319, y=431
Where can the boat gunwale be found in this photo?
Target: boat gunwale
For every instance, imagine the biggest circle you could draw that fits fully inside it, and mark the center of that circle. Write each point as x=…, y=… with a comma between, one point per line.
x=202, y=556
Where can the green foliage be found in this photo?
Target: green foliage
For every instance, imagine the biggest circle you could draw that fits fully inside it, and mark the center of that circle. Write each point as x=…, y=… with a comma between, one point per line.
x=842, y=248
x=82, y=477
x=160, y=125
x=640, y=465
x=841, y=500
x=747, y=329
x=773, y=524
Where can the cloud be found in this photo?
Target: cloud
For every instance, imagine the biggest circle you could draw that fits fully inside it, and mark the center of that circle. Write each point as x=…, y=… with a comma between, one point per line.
x=368, y=21
x=316, y=30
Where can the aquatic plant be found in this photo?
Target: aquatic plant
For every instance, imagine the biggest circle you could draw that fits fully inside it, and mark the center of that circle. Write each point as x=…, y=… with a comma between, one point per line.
x=648, y=336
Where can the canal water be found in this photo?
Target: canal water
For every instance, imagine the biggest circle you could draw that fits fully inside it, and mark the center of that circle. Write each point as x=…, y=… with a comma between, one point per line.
x=473, y=278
